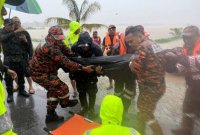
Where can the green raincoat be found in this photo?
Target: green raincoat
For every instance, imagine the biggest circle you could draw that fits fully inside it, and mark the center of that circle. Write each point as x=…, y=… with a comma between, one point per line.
x=111, y=112
x=71, y=37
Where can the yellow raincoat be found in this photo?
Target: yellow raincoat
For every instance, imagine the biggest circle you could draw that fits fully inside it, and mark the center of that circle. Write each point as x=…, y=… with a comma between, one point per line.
x=1, y=6
x=71, y=37
x=111, y=112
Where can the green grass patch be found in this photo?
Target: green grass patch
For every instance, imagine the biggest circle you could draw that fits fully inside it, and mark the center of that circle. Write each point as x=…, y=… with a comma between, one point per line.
x=36, y=40
x=167, y=40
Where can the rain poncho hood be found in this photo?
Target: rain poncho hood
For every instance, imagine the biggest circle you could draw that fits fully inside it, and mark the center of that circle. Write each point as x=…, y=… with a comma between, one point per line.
x=84, y=38
x=111, y=110
x=1, y=6
x=71, y=37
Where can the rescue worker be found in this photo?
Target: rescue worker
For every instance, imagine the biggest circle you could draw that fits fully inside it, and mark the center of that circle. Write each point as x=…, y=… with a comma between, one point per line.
x=44, y=66
x=188, y=64
x=28, y=52
x=87, y=83
x=114, y=44
x=13, y=57
x=108, y=46
x=96, y=38
x=111, y=112
x=72, y=37
x=148, y=64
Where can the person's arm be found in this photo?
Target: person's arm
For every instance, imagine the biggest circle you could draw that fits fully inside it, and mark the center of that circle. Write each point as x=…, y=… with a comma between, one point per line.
x=98, y=51
x=137, y=61
x=62, y=60
x=103, y=45
x=186, y=60
x=6, y=36
x=3, y=68
x=66, y=51
x=99, y=40
x=30, y=45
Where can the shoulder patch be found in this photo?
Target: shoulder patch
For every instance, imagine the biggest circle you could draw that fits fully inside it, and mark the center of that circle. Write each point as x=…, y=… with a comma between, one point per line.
x=156, y=48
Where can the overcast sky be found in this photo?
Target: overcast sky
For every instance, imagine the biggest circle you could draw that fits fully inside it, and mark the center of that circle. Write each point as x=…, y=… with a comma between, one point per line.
x=127, y=12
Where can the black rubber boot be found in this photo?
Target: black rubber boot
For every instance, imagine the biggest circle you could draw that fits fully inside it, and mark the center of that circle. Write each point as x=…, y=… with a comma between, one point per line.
x=10, y=98
x=69, y=103
x=92, y=114
x=83, y=112
x=22, y=91
x=53, y=117
x=72, y=103
x=24, y=94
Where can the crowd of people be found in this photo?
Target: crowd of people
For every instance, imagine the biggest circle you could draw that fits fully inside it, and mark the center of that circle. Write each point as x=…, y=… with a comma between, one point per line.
x=148, y=65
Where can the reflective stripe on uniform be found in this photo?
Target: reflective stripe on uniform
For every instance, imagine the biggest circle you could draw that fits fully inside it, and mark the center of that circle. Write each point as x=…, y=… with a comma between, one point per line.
x=150, y=122
x=65, y=96
x=131, y=93
x=118, y=94
x=127, y=96
x=52, y=99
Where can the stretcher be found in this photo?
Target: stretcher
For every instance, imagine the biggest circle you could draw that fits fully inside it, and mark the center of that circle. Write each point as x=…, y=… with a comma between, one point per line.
x=76, y=125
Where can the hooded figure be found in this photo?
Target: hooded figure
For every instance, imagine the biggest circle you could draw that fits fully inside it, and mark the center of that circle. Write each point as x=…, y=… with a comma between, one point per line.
x=86, y=83
x=111, y=113
x=85, y=47
x=72, y=37
x=74, y=31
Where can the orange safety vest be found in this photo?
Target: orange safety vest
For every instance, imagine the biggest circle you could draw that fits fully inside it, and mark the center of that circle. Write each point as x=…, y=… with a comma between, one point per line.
x=196, y=50
x=118, y=38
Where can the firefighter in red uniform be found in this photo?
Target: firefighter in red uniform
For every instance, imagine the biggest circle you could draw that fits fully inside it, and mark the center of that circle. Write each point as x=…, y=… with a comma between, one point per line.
x=44, y=66
x=188, y=63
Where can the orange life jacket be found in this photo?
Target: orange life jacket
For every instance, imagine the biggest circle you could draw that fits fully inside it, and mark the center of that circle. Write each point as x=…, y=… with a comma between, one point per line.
x=196, y=50
x=118, y=38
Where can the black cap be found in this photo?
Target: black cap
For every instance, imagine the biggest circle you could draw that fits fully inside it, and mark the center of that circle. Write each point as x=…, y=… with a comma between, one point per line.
x=111, y=26
x=8, y=21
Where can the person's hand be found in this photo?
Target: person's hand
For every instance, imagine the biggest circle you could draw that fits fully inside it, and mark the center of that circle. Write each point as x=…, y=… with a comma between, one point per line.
x=12, y=73
x=23, y=38
x=3, y=11
x=99, y=70
x=107, y=50
x=134, y=57
x=88, y=69
x=19, y=30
